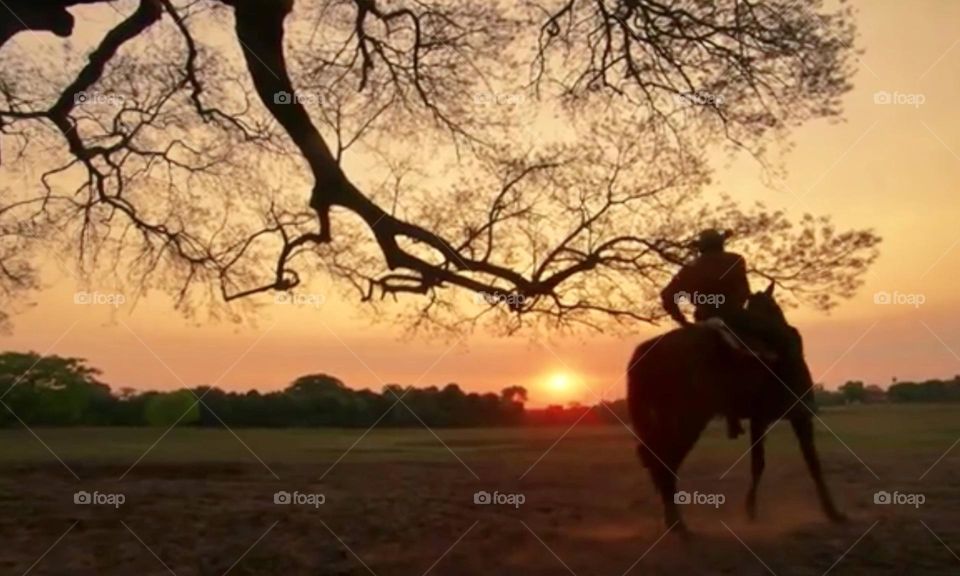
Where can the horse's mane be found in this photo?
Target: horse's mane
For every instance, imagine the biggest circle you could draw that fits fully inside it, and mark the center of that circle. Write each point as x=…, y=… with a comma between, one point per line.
x=763, y=305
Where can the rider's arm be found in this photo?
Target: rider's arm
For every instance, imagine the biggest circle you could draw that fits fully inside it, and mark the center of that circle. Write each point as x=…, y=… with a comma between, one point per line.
x=669, y=297
x=741, y=286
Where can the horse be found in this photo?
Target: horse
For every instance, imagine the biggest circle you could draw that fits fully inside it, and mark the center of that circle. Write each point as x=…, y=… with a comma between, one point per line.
x=676, y=384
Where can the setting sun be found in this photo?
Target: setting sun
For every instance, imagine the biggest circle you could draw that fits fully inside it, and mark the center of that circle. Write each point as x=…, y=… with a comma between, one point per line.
x=561, y=386
x=560, y=382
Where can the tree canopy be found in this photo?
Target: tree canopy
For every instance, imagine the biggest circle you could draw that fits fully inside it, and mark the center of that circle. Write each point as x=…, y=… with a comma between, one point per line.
x=506, y=161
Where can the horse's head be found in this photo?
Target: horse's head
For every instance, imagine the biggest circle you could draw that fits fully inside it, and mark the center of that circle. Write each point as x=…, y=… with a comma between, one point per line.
x=764, y=307
x=792, y=368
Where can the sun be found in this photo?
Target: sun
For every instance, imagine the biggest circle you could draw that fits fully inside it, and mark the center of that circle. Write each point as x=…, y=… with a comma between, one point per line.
x=559, y=386
x=560, y=382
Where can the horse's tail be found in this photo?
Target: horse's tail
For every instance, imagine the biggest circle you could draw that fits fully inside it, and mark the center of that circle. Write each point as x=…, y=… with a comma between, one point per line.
x=638, y=402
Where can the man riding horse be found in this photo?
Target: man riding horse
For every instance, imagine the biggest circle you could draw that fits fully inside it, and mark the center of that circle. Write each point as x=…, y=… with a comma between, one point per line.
x=716, y=284
x=678, y=381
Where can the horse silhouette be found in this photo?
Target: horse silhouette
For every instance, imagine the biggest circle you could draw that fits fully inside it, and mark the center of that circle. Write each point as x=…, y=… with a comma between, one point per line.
x=675, y=385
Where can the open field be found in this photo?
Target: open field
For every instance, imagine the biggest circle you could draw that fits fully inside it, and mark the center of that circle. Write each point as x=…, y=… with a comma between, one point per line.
x=401, y=502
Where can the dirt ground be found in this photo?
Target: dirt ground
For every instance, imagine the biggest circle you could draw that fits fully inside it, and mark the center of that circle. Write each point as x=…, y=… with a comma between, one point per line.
x=403, y=502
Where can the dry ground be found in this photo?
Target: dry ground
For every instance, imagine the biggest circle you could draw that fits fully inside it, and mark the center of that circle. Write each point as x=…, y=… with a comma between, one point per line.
x=402, y=503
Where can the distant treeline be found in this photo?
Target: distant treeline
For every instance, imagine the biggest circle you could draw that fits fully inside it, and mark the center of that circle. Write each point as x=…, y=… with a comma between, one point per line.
x=55, y=391
x=855, y=392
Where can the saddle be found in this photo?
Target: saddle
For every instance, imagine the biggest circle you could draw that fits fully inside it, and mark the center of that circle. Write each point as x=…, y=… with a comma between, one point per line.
x=745, y=345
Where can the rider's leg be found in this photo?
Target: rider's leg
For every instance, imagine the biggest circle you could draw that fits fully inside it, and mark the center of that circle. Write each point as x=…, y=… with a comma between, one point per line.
x=738, y=324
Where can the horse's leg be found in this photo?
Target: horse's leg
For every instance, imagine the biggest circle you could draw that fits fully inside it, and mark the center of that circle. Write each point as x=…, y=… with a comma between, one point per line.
x=803, y=428
x=659, y=454
x=665, y=479
x=757, y=429
x=655, y=459
x=685, y=435
x=657, y=449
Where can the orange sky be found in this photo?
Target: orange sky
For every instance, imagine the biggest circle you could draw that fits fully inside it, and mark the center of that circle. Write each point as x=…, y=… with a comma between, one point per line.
x=894, y=168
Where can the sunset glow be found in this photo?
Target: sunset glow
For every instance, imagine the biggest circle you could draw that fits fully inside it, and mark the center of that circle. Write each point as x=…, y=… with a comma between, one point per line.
x=562, y=386
x=560, y=382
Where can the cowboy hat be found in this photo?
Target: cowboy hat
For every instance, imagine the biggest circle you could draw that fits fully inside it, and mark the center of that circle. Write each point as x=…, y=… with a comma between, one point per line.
x=711, y=239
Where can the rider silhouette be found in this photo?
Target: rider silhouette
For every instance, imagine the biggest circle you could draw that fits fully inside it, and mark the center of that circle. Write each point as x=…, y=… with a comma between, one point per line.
x=716, y=284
